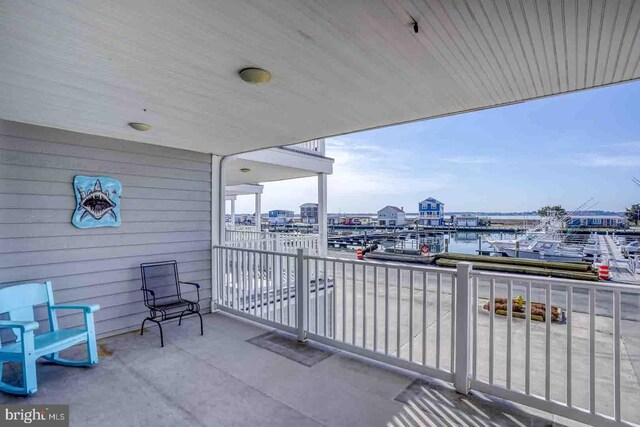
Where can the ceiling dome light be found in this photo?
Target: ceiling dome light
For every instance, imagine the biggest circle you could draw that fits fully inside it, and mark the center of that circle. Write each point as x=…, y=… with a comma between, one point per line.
x=255, y=75
x=245, y=170
x=142, y=127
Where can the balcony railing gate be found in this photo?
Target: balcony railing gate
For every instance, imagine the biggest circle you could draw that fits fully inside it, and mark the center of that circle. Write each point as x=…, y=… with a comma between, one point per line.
x=433, y=321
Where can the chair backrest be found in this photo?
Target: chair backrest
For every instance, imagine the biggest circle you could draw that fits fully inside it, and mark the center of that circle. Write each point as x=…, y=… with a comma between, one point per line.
x=162, y=279
x=19, y=300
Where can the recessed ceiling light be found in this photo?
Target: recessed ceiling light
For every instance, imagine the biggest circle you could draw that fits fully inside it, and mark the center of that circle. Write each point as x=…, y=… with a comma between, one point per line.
x=255, y=75
x=245, y=170
x=142, y=127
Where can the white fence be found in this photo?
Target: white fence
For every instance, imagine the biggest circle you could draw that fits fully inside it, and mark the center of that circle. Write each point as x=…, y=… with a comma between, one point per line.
x=566, y=361
x=438, y=322
x=241, y=227
x=274, y=242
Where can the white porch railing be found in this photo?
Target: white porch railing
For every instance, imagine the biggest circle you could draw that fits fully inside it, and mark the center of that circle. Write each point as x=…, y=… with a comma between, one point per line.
x=240, y=227
x=376, y=310
x=315, y=146
x=571, y=367
x=431, y=320
x=274, y=242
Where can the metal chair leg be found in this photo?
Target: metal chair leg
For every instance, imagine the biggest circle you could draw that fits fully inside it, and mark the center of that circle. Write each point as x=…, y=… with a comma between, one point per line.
x=142, y=327
x=201, y=327
x=161, y=337
x=180, y=319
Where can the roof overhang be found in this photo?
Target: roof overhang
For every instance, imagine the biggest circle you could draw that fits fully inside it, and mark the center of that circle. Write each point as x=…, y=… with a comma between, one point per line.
x=242, y=189
x=338, y=66
x=275, y=164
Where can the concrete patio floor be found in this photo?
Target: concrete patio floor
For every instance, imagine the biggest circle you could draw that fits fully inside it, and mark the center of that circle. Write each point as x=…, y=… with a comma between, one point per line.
x=222, y=379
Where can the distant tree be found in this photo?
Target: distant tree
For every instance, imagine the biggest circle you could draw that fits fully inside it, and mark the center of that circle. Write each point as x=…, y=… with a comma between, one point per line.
x=552, y=211
x=633, y=214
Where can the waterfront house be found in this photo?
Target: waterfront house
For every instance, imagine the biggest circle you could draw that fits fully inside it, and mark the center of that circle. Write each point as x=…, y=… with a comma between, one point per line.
x=157, y=98
x=333, y=219
x=466, y=220
x=391, y=216
x=596, y=221
x=309, y=213
x=431, y=212
x=280, y=217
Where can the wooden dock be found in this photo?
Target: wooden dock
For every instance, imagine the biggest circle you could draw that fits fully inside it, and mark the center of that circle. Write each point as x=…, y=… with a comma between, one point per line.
x=619, y=269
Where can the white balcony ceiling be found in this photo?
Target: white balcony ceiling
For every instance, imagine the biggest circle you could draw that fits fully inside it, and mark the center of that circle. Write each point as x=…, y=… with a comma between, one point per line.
x=338, y=66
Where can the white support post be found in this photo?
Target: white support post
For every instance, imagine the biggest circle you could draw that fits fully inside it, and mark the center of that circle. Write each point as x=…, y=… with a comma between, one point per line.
x=463, y=310
x=233, y=212
x=302, y=288
x=258, y=208
x=322, y=215
x=218, y=181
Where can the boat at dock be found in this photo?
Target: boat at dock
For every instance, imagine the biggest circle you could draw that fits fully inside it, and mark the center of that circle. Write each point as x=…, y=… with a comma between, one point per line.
x=548, y=250
x=548, y=242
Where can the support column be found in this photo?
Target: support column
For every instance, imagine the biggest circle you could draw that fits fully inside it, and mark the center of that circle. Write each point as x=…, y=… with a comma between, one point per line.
x=322, y=215
x=258, y=208
x=218, y=184
x=233, y=212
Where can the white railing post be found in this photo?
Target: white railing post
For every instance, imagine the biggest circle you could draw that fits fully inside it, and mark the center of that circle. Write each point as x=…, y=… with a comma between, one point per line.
x=463, y=310
x=302, y=285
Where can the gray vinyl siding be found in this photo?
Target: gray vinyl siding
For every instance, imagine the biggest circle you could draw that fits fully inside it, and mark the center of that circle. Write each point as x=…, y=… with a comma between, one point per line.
x=165, y=211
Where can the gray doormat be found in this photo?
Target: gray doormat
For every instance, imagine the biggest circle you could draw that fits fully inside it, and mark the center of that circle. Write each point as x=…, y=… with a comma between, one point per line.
x=307, y=354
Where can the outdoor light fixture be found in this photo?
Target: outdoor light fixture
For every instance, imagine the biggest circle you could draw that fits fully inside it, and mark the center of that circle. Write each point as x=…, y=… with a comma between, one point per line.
x=142, y=127
x=255, y=75
x=245, y=170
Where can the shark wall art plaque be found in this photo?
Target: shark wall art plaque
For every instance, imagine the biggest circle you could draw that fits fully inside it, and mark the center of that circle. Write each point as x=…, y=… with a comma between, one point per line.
x=97, y=201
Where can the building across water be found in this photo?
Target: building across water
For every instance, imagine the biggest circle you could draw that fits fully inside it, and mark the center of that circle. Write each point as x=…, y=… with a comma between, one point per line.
x=309, y=213
x=467, y=220
x=577, y=221
x=280, y=217
x=431, y=212
x=391, y=216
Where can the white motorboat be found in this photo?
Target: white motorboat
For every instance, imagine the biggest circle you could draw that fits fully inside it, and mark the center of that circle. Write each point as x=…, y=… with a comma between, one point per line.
x=547, y=250
x=547, y=241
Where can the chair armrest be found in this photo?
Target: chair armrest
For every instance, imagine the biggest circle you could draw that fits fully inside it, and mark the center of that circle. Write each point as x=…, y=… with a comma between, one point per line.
x=153, y=295
x=23, y=326
x=191, y=283
x=91, y=308
x=197, y=286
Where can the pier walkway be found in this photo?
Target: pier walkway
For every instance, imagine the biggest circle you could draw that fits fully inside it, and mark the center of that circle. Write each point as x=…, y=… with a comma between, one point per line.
x=619, y=268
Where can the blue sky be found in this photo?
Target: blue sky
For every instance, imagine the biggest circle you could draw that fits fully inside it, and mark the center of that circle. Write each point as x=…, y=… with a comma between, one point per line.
x=559, y=150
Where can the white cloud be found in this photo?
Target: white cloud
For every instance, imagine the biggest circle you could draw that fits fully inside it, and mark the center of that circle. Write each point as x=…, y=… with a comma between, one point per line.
x=471, y=160
x=608, y=160
x=626, y=145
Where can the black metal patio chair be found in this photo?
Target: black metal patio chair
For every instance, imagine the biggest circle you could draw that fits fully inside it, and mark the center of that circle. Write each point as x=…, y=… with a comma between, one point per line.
x=161, y=287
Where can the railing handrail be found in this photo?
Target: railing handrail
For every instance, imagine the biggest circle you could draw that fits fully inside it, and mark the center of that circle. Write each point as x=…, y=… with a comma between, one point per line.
x=391, y=265
x=627, y=288
x=407, y=267
x=290, y=254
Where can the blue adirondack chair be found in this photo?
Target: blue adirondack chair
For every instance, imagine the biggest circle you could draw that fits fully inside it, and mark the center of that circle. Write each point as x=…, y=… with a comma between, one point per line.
x=19, y=301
